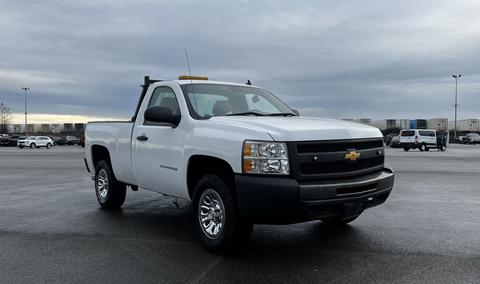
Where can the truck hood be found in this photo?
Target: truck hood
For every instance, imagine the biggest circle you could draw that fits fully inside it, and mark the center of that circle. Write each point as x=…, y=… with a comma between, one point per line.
x=299, y=128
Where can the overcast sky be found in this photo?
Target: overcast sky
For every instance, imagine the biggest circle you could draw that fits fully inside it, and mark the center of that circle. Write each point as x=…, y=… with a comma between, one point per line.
x=342, y=59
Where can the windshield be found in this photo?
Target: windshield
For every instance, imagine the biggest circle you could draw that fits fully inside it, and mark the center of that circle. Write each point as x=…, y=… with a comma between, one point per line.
x=31, y=138
x=207, y=100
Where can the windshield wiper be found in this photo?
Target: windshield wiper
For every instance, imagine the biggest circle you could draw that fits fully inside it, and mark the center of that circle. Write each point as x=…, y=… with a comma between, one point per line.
x=282, y=114
x=247, y=113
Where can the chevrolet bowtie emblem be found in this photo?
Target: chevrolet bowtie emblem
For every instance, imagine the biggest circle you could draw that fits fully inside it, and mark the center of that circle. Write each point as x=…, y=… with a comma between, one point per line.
x=352, y=155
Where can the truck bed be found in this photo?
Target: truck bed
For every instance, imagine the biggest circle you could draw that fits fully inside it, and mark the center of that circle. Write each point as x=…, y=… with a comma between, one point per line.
x=116, y=137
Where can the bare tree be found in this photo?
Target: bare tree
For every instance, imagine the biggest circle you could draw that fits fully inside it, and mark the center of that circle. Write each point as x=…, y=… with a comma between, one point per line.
x=4, y=117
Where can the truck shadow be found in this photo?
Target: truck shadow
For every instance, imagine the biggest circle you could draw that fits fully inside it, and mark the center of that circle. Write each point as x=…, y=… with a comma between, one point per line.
x=157, y=219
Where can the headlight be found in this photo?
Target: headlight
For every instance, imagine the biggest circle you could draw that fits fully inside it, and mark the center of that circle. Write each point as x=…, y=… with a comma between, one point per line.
x=265, y=158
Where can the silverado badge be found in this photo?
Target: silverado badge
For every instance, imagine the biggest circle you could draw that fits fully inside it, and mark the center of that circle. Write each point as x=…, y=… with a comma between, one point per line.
x=352, y=155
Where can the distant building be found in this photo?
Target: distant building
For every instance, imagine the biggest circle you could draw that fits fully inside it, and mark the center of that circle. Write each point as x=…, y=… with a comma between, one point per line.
x=472, y=125
x=418, y=124
x=80, y=127
x=56, y=128
x=403, y=123
x=68, y=127
x=46, y=128
x=31, y=128
x=18, y=128
x=385, y=124
x=366, y=121
x=437, y=123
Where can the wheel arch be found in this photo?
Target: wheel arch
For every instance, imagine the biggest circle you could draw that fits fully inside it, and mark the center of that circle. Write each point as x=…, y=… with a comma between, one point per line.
x=99, y=153
x=199, y=165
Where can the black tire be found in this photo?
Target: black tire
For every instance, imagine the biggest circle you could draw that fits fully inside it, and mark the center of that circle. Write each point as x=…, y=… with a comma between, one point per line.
x=114, y=196
x=406, y=149
x=233, y=232
x=32, y=146
x=427, y=149
x=339, y=220
x=422, y=147
x=443, y=148
x=49, y=145
x=21, y=147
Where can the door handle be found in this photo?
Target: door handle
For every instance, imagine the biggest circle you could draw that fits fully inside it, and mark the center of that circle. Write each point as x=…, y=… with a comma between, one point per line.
x=142, y=137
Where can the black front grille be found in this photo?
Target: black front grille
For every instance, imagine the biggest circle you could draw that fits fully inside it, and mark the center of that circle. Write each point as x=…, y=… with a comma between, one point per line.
x=335, y=146
x=326, y=159
x=339, y=166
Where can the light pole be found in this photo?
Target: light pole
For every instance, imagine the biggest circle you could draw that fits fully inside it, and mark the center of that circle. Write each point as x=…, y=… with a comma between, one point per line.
x=456, y=105
x=26, y=90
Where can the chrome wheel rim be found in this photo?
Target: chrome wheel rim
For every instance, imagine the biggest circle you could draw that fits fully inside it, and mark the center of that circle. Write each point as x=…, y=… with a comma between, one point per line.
x=102, y=184
x=211, y=214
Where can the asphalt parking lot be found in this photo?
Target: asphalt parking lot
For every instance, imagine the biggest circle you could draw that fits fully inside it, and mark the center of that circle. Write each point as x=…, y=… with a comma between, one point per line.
x=52, y=230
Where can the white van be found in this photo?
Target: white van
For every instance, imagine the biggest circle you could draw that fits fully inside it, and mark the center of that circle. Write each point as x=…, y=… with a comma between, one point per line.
x=423, y=139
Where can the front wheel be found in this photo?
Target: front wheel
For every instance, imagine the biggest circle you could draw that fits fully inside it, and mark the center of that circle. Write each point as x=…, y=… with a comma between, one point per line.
x=216, y=216
x=32, y=146
x=110, y=192
x=49, y=145
x=422, y=147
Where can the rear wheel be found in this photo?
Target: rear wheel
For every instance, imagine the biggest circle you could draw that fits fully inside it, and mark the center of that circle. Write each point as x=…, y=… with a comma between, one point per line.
x=110, y=192
x=422, y=147
x=216, y=216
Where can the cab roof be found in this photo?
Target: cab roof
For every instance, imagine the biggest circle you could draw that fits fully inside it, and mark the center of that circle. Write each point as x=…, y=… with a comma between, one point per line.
x=185, y=82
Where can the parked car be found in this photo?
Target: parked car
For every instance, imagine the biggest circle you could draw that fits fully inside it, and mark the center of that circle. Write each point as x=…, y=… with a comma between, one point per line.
x=68, y=140
x=62, y=141
x=457, y=140
x=35, y=142
x=241, y=156
x=9, y=141
x=395, y=142
x=423, y=139
x=471, y=138
x=75, y=141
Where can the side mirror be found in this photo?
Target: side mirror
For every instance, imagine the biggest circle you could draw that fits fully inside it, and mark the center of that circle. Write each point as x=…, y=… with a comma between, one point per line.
x=296, y=112
x=158, y=114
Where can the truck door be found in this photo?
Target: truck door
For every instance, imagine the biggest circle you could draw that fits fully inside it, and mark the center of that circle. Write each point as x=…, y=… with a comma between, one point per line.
x=158, y=149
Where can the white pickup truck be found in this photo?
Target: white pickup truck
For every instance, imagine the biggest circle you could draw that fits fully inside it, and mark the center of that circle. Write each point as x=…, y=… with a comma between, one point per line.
x=240, y=155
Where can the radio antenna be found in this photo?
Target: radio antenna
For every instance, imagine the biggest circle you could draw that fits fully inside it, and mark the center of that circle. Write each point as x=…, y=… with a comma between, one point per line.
x=191, y=82
x=188, y=63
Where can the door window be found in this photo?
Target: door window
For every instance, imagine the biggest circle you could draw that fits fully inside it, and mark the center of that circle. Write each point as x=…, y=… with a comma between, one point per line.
x=165, y=97
x=427, y=133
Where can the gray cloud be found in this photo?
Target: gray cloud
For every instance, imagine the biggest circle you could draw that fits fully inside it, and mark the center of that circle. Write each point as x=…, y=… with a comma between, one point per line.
x=375, y=59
